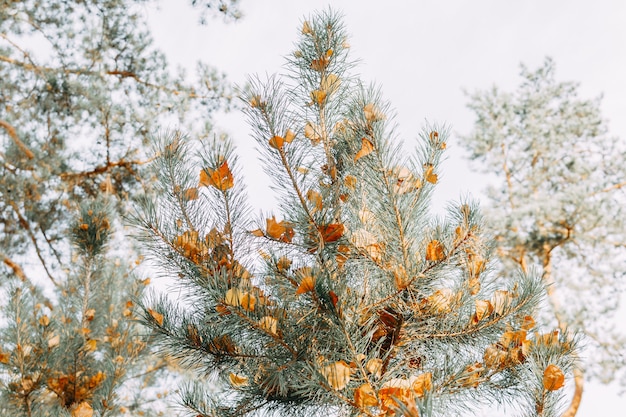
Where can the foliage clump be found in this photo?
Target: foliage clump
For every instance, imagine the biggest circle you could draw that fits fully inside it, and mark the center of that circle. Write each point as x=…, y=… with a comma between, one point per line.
x=351, y=298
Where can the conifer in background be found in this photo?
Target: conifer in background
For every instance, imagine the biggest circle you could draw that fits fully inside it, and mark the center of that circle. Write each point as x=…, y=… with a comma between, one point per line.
x=82, y=88
x=558, y=206
x=350, y=298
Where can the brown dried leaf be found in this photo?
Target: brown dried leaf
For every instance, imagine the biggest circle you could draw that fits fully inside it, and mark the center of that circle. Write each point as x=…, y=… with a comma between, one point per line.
x=313, y=132
x=331, y=232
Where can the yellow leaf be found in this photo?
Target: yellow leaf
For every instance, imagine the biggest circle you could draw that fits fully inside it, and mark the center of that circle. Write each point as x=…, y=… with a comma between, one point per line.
x=289, y=136
x=313, y=132
x=306, y=28
x=277, y=142
x=435, y=251
x=318, y=96
x=553, y=378
x=374, y=366
x=91, y=345
x=54, y=341
x=220, y=178
x=367, y=148
x=44, y=320
x=494, y=356
x=315, y=198
x=441, y=301
x=238, y=380
x=337, y=375
x=484, y=308
x=365, y=396
x=269, y=324
x=158, y=317
x=501, y=301
x=372, y=113
x=330, y=83
x=82, y=410
x=233, y=297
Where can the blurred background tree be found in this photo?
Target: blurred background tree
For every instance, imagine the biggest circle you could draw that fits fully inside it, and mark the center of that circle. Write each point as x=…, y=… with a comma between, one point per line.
x=350, y=298
x=82, y=88
x=558, y=205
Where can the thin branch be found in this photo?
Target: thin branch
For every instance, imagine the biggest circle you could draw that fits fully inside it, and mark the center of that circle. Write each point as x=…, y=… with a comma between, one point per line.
x=13, y=135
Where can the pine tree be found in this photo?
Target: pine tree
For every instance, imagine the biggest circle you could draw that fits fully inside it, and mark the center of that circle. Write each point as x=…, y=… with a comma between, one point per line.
x=558, y=206
x=351, y=298
x=82, y=88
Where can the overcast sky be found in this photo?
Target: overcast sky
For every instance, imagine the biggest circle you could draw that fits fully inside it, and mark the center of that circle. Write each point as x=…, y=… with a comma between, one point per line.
x=423, y=54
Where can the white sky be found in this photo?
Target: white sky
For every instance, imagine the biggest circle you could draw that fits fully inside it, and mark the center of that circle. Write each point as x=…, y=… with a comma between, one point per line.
x=423, y=54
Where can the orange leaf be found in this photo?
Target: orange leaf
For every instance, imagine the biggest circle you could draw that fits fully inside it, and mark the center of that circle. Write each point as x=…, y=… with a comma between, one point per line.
x=553, y=378
x=277, y=142
x=435, y=251
x=429, y=175
x=307, y=284
x=4, y=356
x=366, y=148
x=422, y=383
x=274, y=229
x=350, y=182
x=220, y=178
x=279, y=230
x=331, y=232
x=258, y=233
x=237, y=380
x=319, y=64
x=158, y=317
x=333, y=298
x=364, y=396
